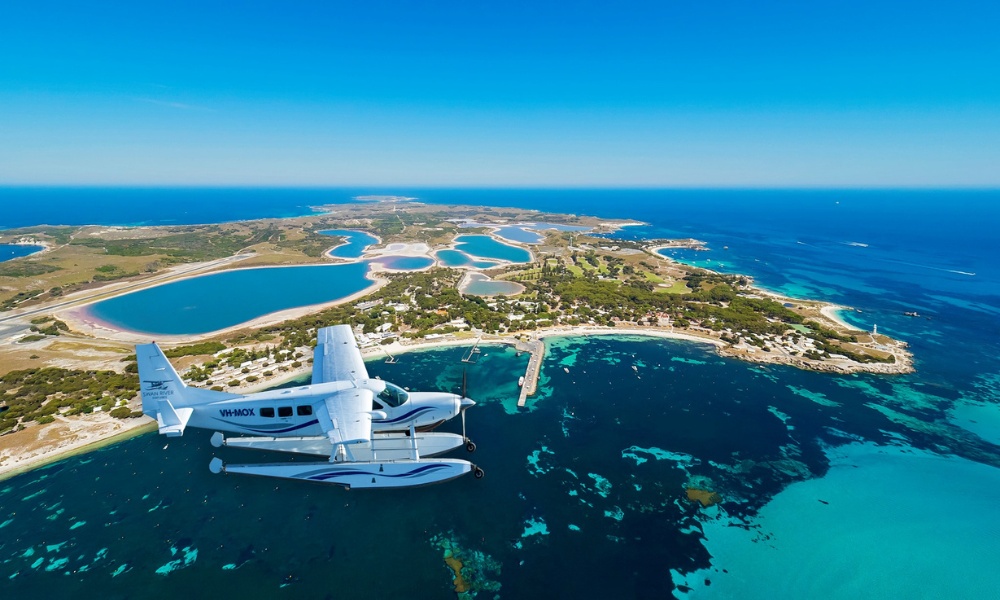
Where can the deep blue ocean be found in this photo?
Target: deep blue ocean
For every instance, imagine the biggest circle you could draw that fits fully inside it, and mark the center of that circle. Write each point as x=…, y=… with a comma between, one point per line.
x=842, y=486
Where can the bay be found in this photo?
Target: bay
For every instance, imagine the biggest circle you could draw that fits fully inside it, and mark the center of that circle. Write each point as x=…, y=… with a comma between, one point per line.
x=585, y=490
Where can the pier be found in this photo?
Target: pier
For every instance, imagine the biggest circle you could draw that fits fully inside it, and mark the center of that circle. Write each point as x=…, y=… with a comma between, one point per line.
x=473, y=355
x=537, y=350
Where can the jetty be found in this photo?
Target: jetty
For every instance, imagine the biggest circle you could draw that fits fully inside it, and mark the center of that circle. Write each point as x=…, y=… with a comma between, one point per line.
x=537, y=350
x=473, y=354
x=389, y=358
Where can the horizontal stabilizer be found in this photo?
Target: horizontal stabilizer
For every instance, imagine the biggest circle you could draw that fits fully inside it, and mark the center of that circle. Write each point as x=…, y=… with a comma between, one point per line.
x=170, y=420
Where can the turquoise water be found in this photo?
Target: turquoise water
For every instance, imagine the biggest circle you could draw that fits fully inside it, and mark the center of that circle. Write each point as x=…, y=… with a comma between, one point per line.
x=525, y=233
x=456, y=258
x=355, y=244
x=583, y=494
x=877, y=506
x=483, y=246
x=528, y=233
x=880, y=484
x=404, y=263
x=517, y=233
x=11, y=251
x=212, y=302
x=481, y=285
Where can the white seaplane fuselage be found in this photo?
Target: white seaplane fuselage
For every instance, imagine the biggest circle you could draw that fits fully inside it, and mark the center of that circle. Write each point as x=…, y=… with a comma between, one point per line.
x=289, y=412
x=373, y=433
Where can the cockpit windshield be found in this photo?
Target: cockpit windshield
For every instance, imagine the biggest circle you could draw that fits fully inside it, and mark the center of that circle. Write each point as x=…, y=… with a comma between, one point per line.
x=393, y=395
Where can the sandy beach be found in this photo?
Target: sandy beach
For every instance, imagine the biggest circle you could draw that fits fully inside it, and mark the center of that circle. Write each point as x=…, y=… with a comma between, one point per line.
x=832, y=311
x=40, y=445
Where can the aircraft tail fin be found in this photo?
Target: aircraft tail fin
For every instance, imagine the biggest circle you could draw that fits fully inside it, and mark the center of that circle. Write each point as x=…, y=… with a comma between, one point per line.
x=165, y=397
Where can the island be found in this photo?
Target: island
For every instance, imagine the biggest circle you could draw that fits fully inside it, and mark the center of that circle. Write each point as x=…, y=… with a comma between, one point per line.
x=434, y=275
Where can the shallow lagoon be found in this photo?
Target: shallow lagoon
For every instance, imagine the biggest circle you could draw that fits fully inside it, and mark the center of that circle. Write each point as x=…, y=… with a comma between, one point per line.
x=483, y=246
x=355, y=244
x=403, y=263
x=456, y=258
x=481, y=285
x=525, y=233
x=220, y=300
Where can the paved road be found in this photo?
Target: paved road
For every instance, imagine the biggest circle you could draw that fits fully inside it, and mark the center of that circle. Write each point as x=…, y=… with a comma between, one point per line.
x=10, y=322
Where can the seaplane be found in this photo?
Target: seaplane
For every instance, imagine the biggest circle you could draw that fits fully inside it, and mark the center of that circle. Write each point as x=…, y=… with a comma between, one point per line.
x=373, y=434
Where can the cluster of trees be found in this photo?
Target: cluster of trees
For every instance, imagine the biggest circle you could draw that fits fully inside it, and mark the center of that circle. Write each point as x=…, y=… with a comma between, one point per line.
x=26, y=268
x=18, y=298
x=112, y=273
x=38, y=394
x=54, y=327
x=195, y=349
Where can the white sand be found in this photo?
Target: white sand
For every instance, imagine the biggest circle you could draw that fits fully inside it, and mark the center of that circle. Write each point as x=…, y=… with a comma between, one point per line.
x=831, y=311
x=42, y=444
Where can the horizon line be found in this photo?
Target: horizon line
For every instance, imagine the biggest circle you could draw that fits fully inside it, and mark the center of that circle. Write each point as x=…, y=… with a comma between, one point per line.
x=637, y=187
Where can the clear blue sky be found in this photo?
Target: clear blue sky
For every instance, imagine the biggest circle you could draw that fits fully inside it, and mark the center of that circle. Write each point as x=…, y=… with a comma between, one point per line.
x=463, y=93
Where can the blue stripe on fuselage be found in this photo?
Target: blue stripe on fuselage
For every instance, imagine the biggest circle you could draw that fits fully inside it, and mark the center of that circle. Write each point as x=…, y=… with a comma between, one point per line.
x=405, y=417
x=414, y=473
x=265, y=431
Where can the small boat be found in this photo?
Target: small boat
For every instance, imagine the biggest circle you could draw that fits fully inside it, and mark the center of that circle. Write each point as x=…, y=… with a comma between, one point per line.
x=566, y=369
x=635, y=368
x=911, y=313
x=520, y=381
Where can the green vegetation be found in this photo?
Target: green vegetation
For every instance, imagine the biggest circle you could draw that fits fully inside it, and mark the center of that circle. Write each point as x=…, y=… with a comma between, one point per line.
x=59, y=234
x=54, y=328
x=312, y=244
x=33, y=394
x=112, y=273
x=188, y=245
x=23, y=268
x=18, y=298
x=123, y=412
x=193, y=350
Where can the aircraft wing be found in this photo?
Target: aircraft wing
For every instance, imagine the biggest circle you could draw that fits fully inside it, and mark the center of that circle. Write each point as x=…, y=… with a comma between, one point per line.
x=337, y=356
x=346, y=416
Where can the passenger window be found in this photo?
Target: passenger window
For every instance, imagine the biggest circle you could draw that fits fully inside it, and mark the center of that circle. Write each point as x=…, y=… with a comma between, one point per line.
x=267, y=412
x=304, y=411
x=284, y=411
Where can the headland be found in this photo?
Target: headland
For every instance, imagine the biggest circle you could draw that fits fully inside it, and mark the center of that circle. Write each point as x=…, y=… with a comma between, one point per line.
x=573, y=283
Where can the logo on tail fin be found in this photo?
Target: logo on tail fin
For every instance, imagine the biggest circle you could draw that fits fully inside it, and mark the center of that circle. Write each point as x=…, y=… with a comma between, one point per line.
x=157, y=388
